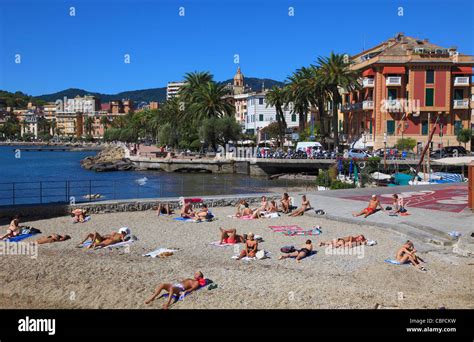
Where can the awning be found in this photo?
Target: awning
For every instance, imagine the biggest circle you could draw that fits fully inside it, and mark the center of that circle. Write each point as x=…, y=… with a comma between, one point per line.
x=368, y=72
x=462, y=70
x=393, y=70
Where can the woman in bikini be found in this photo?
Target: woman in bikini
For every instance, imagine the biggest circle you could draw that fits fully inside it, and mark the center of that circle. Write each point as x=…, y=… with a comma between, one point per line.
x=240, y=207
x=106, y=240
x=306, y=250
x=407, y=253
x=347, y=241
x=305, y=205
x=251, y=247
x=272, y=207
x=164, y=209
x=285, y=203
x=52, y=238
x=13, y=229
x=231, y=236
x=203, y=214
x=79, y=215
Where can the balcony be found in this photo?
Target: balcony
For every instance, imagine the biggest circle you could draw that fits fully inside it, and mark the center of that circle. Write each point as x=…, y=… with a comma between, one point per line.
x=461, y=81
x=393, y=81
x=461, y=104
x=368, y=82
x=368, y=104
x=392, y=106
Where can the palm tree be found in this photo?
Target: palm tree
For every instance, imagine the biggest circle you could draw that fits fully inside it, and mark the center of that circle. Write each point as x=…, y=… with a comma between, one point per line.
x=299, y=94
x=277, y=97
x=335, y=73
x=318, y=97
x=209, y=102
x=192, y=82
x=88, y=125
x=105, y=122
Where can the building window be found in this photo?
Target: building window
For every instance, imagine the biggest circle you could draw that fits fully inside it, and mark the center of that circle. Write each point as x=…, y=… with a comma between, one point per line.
x=392, y=94
x=429, y=76
x=429, y=97
x=260, y=117
x=390, y=127
x=370, y=126
x=458, y=94
x=260, y=101
x=293, y=117
x=457, y=127
x=424, y=127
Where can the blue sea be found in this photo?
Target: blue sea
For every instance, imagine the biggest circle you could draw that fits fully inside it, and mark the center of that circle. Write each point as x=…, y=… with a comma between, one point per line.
x=52, y=176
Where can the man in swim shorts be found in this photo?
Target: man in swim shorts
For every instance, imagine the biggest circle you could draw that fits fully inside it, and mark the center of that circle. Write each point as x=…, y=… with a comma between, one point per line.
x=305, y=250
x=183, y=287
x=374, y=203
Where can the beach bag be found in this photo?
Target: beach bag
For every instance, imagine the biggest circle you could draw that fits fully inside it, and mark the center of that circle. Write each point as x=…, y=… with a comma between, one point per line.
x=287, y=249
x=260, y=254
x=403, y=210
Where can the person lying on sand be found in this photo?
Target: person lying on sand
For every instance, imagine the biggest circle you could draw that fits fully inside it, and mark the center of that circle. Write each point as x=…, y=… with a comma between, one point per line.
x=187, y=210
x=231, y=236
x=203, y=214
x=285, y=203
x=14, y=228
x=185, y=286
x=251, y=247
x=305, y=205
x=52, y=238
x=306, y=250
x=374, y=203
x=164, y=209
x=407, y=253
x=347, y=241
x=106, y=240
x=240, y=207
x=79, y=215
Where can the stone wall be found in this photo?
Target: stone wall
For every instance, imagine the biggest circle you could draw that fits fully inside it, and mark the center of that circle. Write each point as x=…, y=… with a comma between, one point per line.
x=54, y=210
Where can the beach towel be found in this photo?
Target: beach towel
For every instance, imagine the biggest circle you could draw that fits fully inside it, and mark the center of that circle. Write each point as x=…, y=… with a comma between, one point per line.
x=19, y=237
x=312, y=253
x=87, y=218
x=394, y=262
x=184, y=219
x=272, y=215
x=267, y=255
x=218, y=244
x=278, y=229
x=181, y=297
x=158, y=251
x=312, y=232
x=119, y=244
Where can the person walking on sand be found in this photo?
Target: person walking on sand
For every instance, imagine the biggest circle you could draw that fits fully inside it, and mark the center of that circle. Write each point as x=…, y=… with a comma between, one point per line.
x=299, y=254
x=407, y=253
x=183, y=287
x=251, y=247
x=305, y=205
x=374, y=203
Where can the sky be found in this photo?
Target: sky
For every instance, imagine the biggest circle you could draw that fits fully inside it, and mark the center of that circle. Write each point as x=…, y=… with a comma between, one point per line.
x=87, y=50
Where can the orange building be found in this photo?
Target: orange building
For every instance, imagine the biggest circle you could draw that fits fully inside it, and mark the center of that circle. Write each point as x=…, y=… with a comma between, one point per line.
x=407, y=85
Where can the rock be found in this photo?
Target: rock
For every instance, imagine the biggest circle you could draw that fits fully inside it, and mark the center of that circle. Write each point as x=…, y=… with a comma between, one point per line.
x=111, y=158
x=465, y=245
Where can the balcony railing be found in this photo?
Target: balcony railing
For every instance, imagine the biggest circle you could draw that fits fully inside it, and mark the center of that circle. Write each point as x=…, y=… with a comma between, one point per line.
x=461, y=81
x=461, y=104
x=368, y=82
x=392, y=105
x=393, y=81
x=368, y=104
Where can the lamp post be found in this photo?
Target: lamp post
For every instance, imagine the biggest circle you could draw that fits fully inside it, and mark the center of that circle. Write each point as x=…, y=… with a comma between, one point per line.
x=385, y=150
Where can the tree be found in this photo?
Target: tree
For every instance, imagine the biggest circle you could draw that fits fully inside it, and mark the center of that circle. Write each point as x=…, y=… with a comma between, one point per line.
x=406, y=144
x=219, y=131
x=209, y=102
x=192, y=82
x=335, y=73
x=105, y=122
x=89, y=125
x=298, y=93
x=277, y=98
x=464, y=136
x=272, y=131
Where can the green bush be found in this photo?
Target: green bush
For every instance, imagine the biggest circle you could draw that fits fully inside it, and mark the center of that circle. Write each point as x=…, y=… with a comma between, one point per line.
x=406, y=144
x=337, y=184
x=323, y=179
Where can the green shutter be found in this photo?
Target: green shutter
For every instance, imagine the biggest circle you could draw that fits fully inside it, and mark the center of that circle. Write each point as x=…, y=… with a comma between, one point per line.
x=457, y=127
x=370, y=126
x=260, y=117
x=429, y=97
x=390, y=127
x=424, y=128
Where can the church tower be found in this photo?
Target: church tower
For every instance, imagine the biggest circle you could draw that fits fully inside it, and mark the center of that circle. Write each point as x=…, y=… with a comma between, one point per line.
x=238, y=85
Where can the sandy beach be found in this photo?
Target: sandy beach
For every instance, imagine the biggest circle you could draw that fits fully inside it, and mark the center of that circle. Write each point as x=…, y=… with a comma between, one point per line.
x=63, y=276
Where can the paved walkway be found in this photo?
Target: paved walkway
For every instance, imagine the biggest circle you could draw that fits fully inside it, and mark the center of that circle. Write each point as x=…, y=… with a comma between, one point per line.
x=435, y=210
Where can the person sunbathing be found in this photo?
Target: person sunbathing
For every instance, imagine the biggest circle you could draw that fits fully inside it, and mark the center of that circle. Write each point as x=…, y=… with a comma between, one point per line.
x=183, y=287
x=246, y=212
x=305, y=205
x=231, y=236
x=285, y=203
x=347, y=241
x=79, y=215
x=164, y=209
x=263, y=204
x=299, y=254
x=187, y=210
x=397, y=204
x=106, y=240
x=407, y=253
x=14, y=228
x=52, y=238
x=203, y=214
x=251, y=247
x=240, y=207
x=272, y=207
x=374, y=204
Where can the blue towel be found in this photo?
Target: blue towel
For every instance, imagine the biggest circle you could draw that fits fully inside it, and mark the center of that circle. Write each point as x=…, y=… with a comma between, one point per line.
x=19, y=237
x=183, y=219
x=394, y=262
